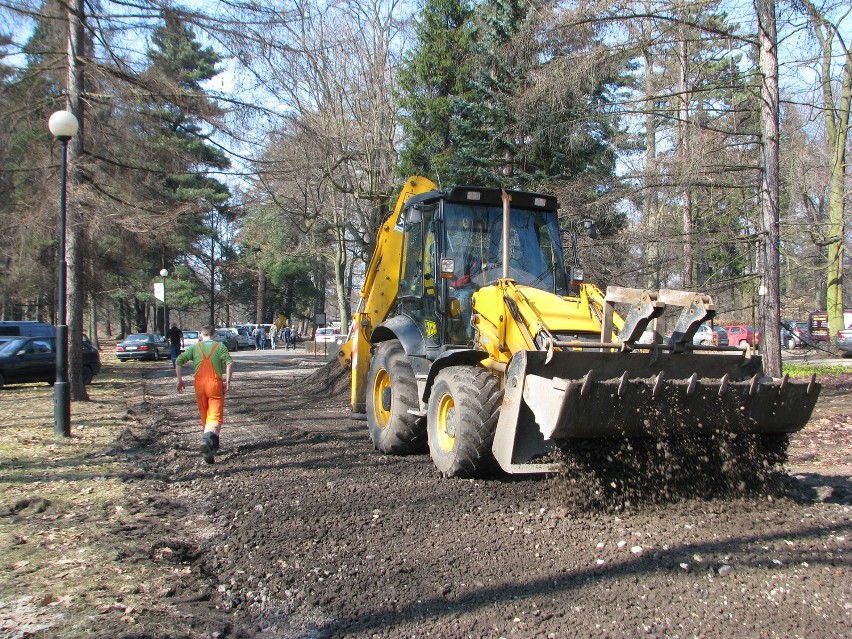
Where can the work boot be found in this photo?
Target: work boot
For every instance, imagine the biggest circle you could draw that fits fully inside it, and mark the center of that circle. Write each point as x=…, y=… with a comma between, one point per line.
x=209, y=446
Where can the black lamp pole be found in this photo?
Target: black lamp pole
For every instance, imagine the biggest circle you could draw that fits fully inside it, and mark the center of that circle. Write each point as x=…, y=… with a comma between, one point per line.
x=164, y=273
x=63, y=125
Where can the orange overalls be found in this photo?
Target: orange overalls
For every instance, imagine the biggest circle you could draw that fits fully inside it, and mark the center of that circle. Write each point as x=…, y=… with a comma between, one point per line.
x=209, y=393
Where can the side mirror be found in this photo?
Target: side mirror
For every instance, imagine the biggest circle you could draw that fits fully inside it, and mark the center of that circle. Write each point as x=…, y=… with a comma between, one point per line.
x=414, y=216
x=590, y=228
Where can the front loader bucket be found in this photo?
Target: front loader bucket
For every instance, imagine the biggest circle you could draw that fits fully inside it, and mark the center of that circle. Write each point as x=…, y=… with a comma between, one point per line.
x=583, y=395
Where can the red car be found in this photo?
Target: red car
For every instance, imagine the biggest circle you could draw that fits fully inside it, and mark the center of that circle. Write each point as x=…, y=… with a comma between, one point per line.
x=742, y=335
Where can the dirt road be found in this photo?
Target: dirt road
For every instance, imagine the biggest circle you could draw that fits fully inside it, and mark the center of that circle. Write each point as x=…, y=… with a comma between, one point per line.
x=300, y=529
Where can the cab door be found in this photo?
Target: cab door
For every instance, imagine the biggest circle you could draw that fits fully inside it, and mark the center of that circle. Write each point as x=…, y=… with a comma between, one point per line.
x=35, y=362
x=418, y=268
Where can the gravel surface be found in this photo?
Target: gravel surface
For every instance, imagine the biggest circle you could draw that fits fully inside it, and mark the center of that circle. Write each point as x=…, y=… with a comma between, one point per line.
x=300, y=529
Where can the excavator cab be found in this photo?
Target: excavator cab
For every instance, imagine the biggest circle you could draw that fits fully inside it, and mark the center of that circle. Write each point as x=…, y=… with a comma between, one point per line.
x=452, y=247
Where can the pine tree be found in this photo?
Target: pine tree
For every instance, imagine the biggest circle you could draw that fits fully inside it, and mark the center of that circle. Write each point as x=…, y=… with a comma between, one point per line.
x=523, y=123
x=433, y=74
x=176, y=113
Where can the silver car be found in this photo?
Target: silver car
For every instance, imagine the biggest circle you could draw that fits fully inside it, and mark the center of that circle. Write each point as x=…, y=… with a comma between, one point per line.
x=707, y=335
x=844, y=340
x=243, y=336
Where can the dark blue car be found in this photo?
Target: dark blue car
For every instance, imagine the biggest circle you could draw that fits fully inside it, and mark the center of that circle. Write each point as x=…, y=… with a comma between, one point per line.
x=33, y=359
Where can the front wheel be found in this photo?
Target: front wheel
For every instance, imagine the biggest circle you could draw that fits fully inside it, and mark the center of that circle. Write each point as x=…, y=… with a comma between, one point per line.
x=391, y=394
x=463, y=411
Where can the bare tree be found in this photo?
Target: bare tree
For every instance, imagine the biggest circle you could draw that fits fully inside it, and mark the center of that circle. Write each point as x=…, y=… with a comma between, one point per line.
x=770, y=300
x=836, y=104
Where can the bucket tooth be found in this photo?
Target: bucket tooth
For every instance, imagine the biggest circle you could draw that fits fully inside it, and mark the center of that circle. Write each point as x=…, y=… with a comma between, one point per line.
x=658, y=384
x=753, y=384
x=811, y=384
x=693, y=382
x=622, y=384
x=565, y=403
x=587, y=384
x=723, y=384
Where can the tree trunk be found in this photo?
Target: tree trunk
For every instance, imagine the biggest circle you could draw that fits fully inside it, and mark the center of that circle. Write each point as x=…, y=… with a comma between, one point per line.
x=837, y=133
x=770, y=299
x=651, y=195
x=686, y=159
x=75, y=253
x=260, y=310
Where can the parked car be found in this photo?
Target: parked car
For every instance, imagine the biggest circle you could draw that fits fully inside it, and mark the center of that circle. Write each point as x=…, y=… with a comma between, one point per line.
x=844, y=340
x=142, y=346
x=742, y=335
x=243, y=336
x=190, y=338
x=794, y=334
x=33, y=359
x=227, y=337
x=12, y=328
x=328, y=334
x=801, y=334
x=707, y=335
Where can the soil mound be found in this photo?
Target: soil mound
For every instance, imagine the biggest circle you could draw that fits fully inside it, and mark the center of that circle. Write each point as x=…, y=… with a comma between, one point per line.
x=331, y=379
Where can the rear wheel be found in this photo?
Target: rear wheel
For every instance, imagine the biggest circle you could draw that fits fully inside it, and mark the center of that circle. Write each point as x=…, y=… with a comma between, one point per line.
x=156, y=354
x=391, y=393
x=88, y=375
x=463, y=410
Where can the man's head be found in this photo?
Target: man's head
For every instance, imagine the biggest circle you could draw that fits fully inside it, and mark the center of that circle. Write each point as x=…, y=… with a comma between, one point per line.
x=174, y=324
x=207, y=331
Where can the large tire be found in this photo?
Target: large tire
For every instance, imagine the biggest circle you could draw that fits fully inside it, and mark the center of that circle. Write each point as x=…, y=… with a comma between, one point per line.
x=463, y=409
x=2, y=382
x=391, y=392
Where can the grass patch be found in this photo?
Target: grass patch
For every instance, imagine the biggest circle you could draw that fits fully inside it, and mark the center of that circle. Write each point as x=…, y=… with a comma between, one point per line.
x=797, y=369
x=63, y=569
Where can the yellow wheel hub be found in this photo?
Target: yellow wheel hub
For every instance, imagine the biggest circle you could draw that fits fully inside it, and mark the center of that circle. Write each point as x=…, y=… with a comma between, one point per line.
x=446, y=424
x=381, y=391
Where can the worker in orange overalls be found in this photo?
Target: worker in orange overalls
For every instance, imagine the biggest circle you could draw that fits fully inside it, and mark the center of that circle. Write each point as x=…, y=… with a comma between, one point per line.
x=213, y=367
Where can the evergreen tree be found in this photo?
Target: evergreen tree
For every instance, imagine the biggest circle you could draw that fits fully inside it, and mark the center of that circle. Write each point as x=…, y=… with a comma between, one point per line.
x=160, y=174
x=530, y=119
x=176, y=113
x=434, y=73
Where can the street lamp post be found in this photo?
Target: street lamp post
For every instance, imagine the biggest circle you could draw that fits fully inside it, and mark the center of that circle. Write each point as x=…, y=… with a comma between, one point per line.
x=63, y=125
x=164, y=274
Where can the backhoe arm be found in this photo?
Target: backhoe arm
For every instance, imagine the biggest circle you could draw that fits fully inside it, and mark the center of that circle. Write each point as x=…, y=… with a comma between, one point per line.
x=378, y=294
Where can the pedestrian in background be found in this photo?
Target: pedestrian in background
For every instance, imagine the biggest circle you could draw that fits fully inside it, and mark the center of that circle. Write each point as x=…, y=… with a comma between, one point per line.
x=273, y=336
x=213, y=369
x=255, y=335
x=175, y=337
x=286, y=335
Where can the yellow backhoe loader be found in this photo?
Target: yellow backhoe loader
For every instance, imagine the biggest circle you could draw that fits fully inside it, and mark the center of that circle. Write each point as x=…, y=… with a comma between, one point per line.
x=473, y=338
